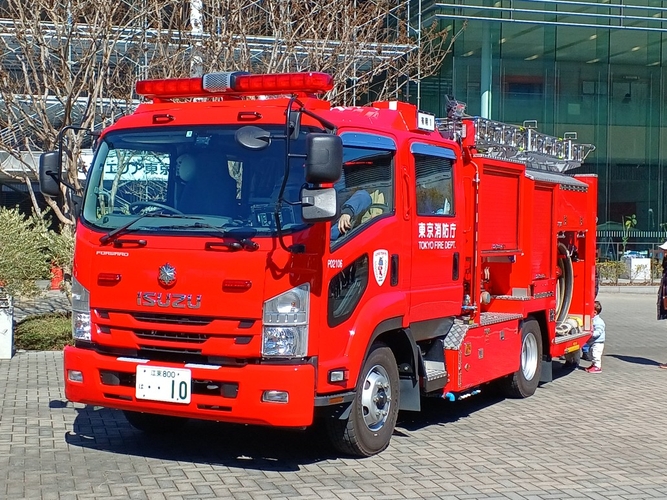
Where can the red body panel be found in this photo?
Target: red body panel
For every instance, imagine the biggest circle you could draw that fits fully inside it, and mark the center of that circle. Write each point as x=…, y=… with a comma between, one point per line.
x=483, y=356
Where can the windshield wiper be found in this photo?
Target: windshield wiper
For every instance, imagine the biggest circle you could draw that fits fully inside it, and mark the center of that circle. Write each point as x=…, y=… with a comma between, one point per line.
x=240, y=244
x=125, y=228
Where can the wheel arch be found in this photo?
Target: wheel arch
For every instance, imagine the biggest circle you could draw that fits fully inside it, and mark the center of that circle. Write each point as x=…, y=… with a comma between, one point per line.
x=541, y=318
x=382, y=318
x=405, y=351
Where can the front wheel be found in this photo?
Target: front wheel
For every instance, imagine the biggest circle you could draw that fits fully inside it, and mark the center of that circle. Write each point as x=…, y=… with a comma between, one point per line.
x=524, y=382
x=151, y=423
x=374, y=411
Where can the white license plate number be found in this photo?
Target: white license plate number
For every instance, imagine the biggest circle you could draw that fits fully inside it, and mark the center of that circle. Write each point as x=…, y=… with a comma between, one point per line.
x=159, y=383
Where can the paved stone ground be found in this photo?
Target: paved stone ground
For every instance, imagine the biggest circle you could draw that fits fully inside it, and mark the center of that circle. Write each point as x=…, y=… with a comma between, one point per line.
x=50, y=301
x=582, y=436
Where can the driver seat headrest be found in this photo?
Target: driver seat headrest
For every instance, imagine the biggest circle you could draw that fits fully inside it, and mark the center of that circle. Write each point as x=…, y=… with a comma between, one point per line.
x=187, y=166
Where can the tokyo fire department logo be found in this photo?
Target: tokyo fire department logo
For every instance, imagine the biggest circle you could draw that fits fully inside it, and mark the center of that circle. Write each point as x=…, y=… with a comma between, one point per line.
x=380, y=264
x=167, y=275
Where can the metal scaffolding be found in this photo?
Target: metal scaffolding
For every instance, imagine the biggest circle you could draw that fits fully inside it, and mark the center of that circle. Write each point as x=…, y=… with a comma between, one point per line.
x=128, y=38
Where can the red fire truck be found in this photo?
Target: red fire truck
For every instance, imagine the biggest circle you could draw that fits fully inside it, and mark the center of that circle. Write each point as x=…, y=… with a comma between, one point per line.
x=248, y=253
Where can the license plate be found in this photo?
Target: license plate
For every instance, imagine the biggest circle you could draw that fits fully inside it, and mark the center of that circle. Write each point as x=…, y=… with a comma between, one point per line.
x=159, y=383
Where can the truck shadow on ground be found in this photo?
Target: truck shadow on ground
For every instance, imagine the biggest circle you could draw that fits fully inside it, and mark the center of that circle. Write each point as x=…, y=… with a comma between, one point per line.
x=232, y=445
x=251, y=447
x=437, y=411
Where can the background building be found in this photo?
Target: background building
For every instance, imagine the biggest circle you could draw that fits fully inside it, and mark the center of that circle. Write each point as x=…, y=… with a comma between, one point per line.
x=597, y=68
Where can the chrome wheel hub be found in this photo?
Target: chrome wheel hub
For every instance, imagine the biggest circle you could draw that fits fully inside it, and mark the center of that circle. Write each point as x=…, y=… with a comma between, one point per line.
x=376, y=397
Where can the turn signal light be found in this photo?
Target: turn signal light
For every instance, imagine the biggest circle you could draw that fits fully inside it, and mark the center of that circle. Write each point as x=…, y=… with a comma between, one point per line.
x=108, y=279
x=236, y=285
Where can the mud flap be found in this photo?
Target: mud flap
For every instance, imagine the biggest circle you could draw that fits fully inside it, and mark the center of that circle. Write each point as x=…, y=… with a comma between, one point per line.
x=546, y=374
x=410, y=395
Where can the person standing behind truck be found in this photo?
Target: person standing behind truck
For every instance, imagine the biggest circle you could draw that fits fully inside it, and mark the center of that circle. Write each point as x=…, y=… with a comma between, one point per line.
x=662, y=293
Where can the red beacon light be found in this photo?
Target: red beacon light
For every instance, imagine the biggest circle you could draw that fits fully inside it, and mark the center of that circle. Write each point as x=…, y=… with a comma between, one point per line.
x=236, y=84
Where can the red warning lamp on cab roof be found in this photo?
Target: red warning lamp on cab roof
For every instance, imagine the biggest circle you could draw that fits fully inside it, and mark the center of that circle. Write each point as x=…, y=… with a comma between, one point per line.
x=236, y=83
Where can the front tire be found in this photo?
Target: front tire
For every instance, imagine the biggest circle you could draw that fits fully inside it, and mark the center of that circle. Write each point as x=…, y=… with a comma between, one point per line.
x=151, y=423
x=374, y=412
x=524, y=382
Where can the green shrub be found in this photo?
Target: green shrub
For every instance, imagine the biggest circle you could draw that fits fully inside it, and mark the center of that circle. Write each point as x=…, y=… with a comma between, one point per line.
x=29, y=249
x=61, y=253
x=611, y=271
x=44, y=332
x=656, y=269
x=23, y=258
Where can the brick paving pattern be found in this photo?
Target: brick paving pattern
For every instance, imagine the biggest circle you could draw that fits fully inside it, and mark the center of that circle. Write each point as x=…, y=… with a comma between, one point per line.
x=51, y=301
x=583, y=436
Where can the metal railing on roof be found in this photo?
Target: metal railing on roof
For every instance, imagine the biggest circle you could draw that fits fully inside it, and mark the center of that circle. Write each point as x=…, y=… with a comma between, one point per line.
x=517, y=142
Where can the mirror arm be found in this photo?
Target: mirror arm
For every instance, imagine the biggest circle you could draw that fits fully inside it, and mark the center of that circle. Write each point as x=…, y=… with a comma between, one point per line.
x=279, y=202
x=58, y=176
x=327, y=124
x=59, y=180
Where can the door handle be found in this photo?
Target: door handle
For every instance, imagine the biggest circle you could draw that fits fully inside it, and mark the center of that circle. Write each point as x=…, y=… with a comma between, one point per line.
x=455, y=266
x=393, y=281
x=406, y=194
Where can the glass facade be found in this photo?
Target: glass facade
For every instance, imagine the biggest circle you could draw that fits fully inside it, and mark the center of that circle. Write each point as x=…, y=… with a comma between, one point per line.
x=597, y=69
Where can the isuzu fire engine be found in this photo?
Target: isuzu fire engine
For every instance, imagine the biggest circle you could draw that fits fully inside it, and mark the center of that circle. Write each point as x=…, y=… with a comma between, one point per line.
x=247, y=253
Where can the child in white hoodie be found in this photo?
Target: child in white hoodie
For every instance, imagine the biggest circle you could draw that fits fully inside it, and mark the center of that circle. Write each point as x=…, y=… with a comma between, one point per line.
x=596, y=342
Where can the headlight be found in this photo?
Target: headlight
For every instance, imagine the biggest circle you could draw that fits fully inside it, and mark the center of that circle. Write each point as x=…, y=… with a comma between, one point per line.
x=80, y=311
x=285, y=324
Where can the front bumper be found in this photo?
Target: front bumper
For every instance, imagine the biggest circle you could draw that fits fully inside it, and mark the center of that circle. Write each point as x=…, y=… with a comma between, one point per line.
x=109, y=381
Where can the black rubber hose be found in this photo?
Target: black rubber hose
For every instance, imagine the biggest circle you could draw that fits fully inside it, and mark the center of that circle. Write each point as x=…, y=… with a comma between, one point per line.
x=563, y=307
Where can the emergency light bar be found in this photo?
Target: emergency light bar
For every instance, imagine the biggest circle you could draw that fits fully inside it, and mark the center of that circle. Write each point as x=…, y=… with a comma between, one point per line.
x=236, y=83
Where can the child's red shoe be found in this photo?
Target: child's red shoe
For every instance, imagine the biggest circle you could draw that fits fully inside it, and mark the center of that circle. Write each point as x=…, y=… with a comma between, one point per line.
x=593, y=369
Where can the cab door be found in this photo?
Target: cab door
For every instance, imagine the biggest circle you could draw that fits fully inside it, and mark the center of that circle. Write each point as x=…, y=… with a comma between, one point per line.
x=364, y=274
x=437, y=235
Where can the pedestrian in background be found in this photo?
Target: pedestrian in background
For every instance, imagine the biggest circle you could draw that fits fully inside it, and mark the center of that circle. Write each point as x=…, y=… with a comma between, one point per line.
x=662, y=293
x=596, y=342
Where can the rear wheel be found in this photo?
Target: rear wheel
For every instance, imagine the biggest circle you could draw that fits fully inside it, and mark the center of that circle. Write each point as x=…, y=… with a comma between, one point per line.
x=152, y=423
x=524, y=382
x=372, y=418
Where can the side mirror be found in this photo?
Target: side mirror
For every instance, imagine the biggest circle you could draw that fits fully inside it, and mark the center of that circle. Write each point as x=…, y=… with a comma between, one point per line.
x=324, y=158
x=49, y=173
x=318, y=205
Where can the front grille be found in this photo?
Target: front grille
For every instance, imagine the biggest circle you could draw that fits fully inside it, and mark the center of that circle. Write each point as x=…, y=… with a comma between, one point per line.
x=166, y=355
x=179, y=355
x=172, y=319
x=195, y=338
x=171, y=338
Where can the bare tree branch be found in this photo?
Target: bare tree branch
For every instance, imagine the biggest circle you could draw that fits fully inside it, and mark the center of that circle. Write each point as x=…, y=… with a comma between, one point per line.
x=75, y=62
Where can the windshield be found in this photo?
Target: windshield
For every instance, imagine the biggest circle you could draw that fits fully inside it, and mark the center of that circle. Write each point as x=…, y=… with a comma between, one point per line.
x=202, y=174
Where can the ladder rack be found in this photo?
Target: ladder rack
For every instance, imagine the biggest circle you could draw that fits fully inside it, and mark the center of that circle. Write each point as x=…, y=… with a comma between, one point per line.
x=516, y=142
